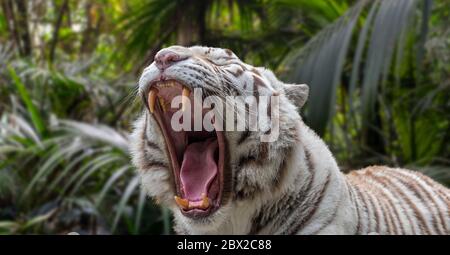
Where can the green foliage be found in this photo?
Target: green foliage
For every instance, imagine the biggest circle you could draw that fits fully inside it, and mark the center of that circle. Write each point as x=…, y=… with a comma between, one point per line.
x=378, y=71
x=22, y=91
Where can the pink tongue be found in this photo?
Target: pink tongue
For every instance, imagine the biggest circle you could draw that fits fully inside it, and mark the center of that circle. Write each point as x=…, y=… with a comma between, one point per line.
x=198, y=168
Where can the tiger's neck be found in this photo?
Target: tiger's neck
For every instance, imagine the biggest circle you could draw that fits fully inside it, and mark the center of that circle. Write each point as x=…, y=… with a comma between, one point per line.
x=309, y=199
x=317, y=194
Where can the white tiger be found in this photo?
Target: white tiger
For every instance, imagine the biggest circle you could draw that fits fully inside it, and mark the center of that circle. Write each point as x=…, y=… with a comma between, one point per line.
x=232, y=183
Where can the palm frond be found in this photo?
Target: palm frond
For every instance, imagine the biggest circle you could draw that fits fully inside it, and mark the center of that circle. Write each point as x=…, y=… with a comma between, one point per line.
x=320, y=62
x=130, y=189
x=97, y=133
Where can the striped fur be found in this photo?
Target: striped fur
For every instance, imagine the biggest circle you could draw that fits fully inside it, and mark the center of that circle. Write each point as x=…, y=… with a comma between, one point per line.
x=292, y=185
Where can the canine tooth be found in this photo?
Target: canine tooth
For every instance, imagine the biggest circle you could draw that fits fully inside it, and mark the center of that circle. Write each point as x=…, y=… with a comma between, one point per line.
x=152, y=99
x=205, y=201
x=185, y=97
x=162, y=103
x=183, y=203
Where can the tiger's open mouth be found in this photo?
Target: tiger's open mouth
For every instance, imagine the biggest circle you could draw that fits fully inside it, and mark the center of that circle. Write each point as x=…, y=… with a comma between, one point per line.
x=197, y=157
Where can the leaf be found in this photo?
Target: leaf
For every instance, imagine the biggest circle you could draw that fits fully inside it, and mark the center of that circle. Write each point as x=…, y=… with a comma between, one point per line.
x=37, y=220
x=93, y=165
x=47, y=168
x=386, y=30
x=99, y=133
x=123, y=201
x=359, y=52
x=66, y=171
x=166, y=216
x=8, y=227
x=36, y=118
x=25, y=127
x=320, y=62
x=140, y=209
x=114, y=177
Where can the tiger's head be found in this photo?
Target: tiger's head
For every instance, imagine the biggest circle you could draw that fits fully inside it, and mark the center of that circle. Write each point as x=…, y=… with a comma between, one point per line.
x=208, y=173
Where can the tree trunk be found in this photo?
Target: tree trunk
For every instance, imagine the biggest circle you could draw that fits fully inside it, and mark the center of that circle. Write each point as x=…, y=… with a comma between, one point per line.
x=188, y=32
x=22, y=24
x=90, y=34
x=8, y=12
x=192, y=28
x=56, y=29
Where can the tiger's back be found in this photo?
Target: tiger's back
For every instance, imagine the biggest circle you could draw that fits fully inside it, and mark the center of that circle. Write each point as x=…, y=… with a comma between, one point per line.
x=398, y=201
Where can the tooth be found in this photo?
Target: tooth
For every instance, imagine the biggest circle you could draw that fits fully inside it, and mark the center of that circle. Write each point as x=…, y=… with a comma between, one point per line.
x=183, y=203
x=185, y=97
x=152, y=99
x=205, y=201
x=162, y=104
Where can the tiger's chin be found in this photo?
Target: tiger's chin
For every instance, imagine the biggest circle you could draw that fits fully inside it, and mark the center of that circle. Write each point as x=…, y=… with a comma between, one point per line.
x=197, y=158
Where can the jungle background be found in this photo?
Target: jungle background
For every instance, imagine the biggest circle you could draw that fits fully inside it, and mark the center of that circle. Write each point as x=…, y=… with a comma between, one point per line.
x=379, y=73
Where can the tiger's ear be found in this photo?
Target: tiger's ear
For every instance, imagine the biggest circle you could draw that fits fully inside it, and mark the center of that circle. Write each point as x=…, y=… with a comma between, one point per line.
x=297, y=93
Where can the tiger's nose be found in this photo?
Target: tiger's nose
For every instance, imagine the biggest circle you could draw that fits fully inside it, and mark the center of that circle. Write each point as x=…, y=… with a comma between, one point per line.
x=166, y=58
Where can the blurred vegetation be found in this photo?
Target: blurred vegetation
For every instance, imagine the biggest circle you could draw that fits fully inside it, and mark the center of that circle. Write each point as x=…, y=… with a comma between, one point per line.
x=379, y=73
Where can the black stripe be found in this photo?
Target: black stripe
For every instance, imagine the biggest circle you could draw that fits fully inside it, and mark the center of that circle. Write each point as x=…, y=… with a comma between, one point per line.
x=376, y=212
x=395, y=191
x=418, y=215
x=365, y=208
x=329, y=220
x=269, y=212
x=386, y=214
x=144, y=132
x=393, y=214
x=248, y=191
x=244, y=135
x=250, y=159
x=402, y=229
x=309, y=160
x=154, y=163
x=228, y=52
x=258, y=81
x=281, y=210
x=255, y=71
x=281, y=172
x=355, y=199
x=311, y=208
x=153, y=146
x=416, y=190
